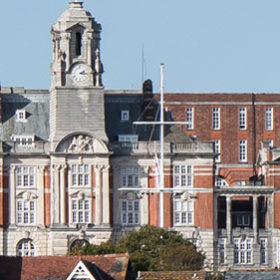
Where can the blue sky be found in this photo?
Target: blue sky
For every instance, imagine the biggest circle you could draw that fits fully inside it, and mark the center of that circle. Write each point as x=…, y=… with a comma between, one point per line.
x=207, y=46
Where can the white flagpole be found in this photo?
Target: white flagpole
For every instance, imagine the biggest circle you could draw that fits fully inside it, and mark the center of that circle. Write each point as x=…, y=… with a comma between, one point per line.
x=161, y=193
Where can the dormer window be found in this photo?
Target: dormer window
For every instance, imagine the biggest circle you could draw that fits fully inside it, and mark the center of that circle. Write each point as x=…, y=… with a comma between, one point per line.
x=125, y=115
x=24, y=140
x=21, y=116
x=131, y=138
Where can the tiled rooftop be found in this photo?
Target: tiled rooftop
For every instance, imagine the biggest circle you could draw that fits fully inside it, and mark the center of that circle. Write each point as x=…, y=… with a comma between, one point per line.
x=30, y=268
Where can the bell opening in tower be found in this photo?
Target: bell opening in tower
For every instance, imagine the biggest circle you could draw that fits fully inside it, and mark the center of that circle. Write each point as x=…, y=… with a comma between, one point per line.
x=78, y=43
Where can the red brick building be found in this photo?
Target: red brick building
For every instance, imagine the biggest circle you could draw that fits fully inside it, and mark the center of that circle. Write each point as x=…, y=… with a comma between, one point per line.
x=243, y=127
x=75, y=168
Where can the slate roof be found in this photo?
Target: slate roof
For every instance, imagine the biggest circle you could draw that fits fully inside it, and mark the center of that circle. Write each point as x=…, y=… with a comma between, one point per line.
x=115, y=103
x=171, y=275
x=34, y=268
x=36, y=106
x=252, y=275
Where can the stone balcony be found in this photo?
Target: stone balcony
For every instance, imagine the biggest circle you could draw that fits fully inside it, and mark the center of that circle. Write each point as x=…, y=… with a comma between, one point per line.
x=138, y=148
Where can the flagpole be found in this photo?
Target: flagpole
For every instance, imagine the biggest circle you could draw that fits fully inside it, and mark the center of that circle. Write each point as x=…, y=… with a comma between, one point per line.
x=161, y=193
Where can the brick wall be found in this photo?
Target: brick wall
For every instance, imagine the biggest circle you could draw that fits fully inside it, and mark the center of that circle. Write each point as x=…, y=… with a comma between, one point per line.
x=229, y=132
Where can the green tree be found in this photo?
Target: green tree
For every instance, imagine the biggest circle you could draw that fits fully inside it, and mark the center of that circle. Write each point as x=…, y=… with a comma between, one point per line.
x=153, y=248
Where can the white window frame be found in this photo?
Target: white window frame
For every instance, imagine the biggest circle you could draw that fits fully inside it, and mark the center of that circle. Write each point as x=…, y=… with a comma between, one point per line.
x=80, y=211
x=190, y=118
x=125, y=115
x=243, y=252
x=131, y=138
x=216, y=121
x=129, y=177
x=217, y=149
x=243, y=150
x=130, y=212
x=26, y=248
x=222, y=250
x=220, y=182
x=80, y=175
x=25, y=141
x=263, y=252
x=243, y=220
x=182, y=176
x=25, y=212
x=25, y=176
x=183, y=212
x=269, y=118
x=240, y=183
x=21, y=116
x=270, y=143
x=243, y=118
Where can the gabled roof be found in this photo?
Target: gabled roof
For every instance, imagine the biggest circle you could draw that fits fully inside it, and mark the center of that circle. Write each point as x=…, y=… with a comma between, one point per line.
x=85, y=270
x=107, y=267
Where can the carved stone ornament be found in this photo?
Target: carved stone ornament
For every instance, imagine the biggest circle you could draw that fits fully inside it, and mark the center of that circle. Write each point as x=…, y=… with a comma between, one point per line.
x=27, y=195
x=81, y=144
x=80, y=195
x=131, y=195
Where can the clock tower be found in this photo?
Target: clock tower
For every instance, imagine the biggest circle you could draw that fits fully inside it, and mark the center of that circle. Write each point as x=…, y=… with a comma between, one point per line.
x=77, y=93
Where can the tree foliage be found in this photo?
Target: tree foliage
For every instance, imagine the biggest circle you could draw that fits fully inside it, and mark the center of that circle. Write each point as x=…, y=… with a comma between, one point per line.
x=152, y=248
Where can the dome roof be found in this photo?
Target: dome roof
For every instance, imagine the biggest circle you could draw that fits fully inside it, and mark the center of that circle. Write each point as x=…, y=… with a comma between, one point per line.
x=75, y=11
x=73, y=15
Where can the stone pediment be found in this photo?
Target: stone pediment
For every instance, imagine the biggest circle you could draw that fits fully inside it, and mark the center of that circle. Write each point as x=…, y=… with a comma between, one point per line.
x=27, y=195
x=82, y=144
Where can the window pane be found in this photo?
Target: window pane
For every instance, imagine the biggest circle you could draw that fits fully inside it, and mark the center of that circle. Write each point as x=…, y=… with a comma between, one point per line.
x=86, y=179
x=124, y=205
x=74, y=204
x=80, y=179
x=130, y=207
x=184, y=217
x=86, y=217
x=25, y=180
x=74, y=180
x=130, y=212
x=80, y=168
x=81, y=217
x=86, y=168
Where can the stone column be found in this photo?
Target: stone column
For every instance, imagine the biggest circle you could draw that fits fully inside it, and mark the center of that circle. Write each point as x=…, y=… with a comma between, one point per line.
x=55, y=194
x=68, y=191
x=68, y=55
x=228, y=200
x=40, y=188
x=106, y=196
x=98, y=208
x=255, y=218
x=215, y=231
x=62, y=195
x=269, y=212
x=89, y=48
x=145, y=201
x=12, y=196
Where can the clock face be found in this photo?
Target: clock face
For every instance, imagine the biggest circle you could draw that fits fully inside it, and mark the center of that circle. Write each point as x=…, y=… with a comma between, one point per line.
x=80, y=73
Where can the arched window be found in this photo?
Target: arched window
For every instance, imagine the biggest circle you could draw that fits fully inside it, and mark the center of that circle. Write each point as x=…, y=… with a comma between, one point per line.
x=25, y=248
x=78, y=243
x=78, y=43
